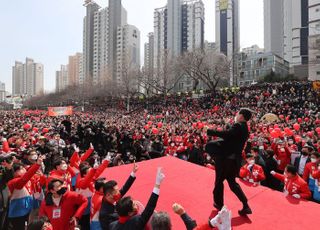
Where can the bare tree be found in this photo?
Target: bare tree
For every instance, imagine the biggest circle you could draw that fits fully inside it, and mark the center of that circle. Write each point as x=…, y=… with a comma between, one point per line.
x=208, y=67
x=165, y=76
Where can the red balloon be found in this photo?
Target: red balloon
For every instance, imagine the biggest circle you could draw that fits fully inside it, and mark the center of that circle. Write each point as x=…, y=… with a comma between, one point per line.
x=299, y=120
x=200, y=125
x=296, y=126
x=194, y=125
x=146, y=127
x=26, y=127
x=155, y=131
x=281, y=117
x=219, y=129
x=288, y=132
x=277, y=130
x=45, y=130
x=160, y=125
x=287, y=118
x=318, y=130
x=274, y=134
x=310, y=134
x=297, y=138
x=306, y=119
x=149, y=122
x=35, y=129
x=276, y=126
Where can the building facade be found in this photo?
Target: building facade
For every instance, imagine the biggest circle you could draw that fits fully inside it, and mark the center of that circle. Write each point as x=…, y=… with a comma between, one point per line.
x=2, y=91
x=274, y=26
x=27, y=78
x=128, y=52
x=314, y=40
x=255, y=49
x=178, y=28
x=62, y=78
x=256, y=66
x=75, y=69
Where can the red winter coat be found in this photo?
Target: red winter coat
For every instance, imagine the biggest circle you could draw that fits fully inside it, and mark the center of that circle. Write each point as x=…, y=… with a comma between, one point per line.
x=248, y=175
x=295, y=185
x=283, y=157
x=308, y=170
x=71, y=205
x=64, y=176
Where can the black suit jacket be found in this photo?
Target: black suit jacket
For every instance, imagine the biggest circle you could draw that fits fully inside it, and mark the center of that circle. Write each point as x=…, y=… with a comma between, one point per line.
x=234, y=140
x=297, y=162
x=108, y=211
x=138, y=222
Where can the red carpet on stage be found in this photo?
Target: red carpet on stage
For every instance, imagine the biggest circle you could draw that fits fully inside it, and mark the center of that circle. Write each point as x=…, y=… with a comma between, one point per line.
x=191, y=186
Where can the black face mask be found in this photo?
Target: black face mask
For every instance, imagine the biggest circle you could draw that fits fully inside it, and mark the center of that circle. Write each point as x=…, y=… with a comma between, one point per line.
x=304, y=153
x=62, y=191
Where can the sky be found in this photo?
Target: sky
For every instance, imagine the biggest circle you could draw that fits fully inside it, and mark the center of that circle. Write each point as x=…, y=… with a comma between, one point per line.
x=50, y=30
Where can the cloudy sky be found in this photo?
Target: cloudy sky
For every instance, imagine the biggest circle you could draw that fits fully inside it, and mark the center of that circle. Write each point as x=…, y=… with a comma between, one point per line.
x=50, y=30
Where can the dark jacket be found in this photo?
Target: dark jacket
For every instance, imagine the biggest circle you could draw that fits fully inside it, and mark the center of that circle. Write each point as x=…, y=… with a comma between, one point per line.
x=234, y=140
x=138, y=222
x=108, y=213
x=297, y=163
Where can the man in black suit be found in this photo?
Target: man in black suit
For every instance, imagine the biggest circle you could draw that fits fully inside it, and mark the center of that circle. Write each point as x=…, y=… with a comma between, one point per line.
x=127, y=209
x=228, y=162
x=301, y=161
x=112, y=195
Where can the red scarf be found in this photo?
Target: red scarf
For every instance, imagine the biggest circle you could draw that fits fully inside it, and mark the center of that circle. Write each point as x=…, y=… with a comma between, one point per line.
x=123, y=219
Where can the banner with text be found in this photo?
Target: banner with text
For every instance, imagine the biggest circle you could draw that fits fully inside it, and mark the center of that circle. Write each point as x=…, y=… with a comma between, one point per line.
x=60, y=111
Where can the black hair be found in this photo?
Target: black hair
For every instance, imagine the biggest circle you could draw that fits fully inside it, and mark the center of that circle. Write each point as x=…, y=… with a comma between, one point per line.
x=83, y=170
x=291, y=169
x=100, y=182
x=246, y=113
x=161, y=221
x=51, y=183
x=37, y=223
x=17, y=166
x=255, y=148
x=58, y=162
x=249, y=155
x=124, y=206
x=316, y=154
x=108, y=186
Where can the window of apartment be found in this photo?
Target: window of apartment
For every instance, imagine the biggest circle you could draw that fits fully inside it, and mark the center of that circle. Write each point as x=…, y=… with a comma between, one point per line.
x=318, y=72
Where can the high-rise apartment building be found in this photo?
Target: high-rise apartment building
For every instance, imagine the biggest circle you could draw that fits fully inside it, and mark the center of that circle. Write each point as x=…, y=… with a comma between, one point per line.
x=228, y=32
x=89, y=35
x=128, y=52
x=286, y=30
x=2, y=91
x=149, y=54
x=27, y=78
x=314, y=40
x=101, y=42
x=75, y=69
x=274, y=26
x=62, y=78
x=178, y=27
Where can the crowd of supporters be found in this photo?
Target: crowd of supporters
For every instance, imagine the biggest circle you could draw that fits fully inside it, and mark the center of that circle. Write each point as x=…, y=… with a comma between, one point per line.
x=51, y=166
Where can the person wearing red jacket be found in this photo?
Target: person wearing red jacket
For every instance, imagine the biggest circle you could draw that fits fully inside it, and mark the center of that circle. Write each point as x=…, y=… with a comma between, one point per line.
x=252, y=172
x=294, y=185
x=62, y=207
x=96, y=201
x=281, y=154
x=171, y=150
x=76, y=160
x=62, y=172
x=310, y=168
x=21, y=200
x=85, y=186
x=5, y=145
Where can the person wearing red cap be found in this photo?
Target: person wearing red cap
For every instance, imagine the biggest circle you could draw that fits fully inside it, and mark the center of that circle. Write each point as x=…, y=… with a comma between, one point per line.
x=62, y=207
x=294, y=185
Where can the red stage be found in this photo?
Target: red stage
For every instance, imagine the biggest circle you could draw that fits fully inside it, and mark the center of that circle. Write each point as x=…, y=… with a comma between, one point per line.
x=191, y=186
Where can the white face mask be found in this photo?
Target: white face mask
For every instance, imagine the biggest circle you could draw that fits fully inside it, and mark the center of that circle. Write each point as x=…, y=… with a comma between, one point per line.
x=313, y=160
x=261, y=147
x=172, y=144
x=235, y=119
x=64, y=167
x=34, y=157
x=208, y=158
x=251, y=162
